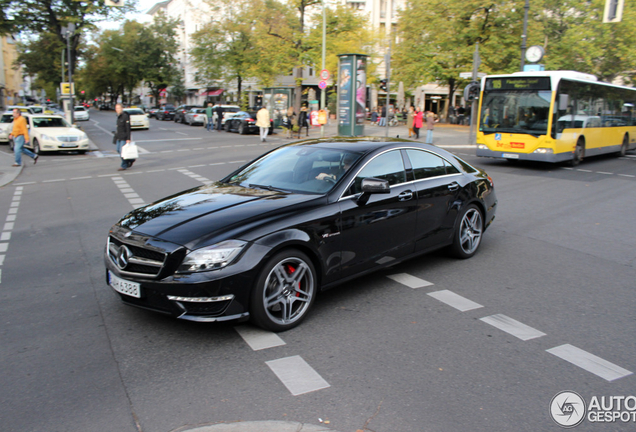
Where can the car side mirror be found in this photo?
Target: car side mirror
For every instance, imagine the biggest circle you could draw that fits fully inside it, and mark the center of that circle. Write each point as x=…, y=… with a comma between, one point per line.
x=371, y=186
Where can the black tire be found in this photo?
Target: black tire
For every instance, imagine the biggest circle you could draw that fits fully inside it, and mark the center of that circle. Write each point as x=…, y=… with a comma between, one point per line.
x=81, y=152
x=624, y=147
x=241, y=129
x=36, y=146
x=468, y=234
x=579, y=152
x=284, y=292
x=227, y=126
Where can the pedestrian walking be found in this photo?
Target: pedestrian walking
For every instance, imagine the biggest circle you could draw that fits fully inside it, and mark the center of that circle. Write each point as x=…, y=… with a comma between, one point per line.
x=291, y=116
x=382, y=121
x=20, y=136
x=410, y=115
x=122, y=135
x=418, y=120
x=303, y=121
x=431, y=119
x=209, y=112
x=219, y=117
x=374, y=116
x=263, y=122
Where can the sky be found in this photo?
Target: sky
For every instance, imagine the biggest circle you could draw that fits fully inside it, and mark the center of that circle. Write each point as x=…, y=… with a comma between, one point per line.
x=142, y=7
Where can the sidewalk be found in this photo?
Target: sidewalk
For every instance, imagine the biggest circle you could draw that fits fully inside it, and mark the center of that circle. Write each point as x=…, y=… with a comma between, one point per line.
x=8, y=173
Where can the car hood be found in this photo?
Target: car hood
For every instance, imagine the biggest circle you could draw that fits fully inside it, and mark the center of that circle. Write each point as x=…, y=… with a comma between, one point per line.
x=138, y=117
x=58, y=131
x=211, y=213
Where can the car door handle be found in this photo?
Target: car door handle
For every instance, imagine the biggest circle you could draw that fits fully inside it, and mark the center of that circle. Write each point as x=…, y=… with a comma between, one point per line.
x=405, y=196
x=453, y=186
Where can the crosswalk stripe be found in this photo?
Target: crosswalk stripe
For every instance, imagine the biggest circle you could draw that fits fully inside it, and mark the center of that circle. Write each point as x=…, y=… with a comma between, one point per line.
x=259, y=339
x=296, y=374
x=409, y=281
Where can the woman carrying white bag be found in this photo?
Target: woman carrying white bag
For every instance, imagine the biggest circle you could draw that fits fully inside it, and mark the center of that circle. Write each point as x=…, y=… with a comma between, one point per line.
x=126, y=149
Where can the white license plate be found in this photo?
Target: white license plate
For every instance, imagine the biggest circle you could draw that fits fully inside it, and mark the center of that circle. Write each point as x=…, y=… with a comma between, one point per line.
x=123, y=286
x=510, y=155
x=68, y=145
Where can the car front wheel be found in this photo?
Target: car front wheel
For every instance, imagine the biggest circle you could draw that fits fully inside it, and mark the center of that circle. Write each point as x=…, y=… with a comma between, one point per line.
x=36, y=146
x=467, y=237
x=284, y=292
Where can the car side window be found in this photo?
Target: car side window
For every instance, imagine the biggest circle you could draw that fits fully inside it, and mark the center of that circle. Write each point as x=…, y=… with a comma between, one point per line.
x=426, y=165
x=388, y=166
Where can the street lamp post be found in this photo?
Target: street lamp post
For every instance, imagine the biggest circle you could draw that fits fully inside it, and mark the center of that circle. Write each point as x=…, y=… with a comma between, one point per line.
x=70, y=30
x=524, y=36
x=323, y=95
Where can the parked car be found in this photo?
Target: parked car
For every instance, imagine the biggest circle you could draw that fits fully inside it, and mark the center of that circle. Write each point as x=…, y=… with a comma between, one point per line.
x=138, y=119
x=6, y=126
x=180, y=112
x=152, y=112
x=105, y=107
x=196, y=116
x=242, y=122
x=48, y=133
x=166, y=112
x=228, y=110
x=80, y=113
x=308, y=216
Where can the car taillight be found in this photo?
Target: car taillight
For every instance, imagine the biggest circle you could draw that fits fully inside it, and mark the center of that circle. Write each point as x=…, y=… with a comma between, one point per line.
x=249, y=119
x=492, y=184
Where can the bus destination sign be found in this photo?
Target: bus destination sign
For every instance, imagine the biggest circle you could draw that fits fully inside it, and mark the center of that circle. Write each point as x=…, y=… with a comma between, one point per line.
x=520, y=83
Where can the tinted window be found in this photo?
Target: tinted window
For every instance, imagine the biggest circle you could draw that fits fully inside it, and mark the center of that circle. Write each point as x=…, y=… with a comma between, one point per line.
x=7, y=118
x=134, y=111
x=426, y=164
x=40, y=122
x=80, y=108
x=388, y=166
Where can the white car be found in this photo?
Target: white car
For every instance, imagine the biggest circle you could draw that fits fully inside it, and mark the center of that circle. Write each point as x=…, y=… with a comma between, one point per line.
x=53, y=133
x=80, y=113
x=138, y=119
x=228, y=110
x=6, y=126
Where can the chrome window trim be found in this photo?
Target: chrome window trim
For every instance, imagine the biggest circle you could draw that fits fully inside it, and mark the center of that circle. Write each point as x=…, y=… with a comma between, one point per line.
x=343, y=196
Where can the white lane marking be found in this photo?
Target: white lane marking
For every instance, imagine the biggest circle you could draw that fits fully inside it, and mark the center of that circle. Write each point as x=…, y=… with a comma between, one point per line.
x=181, y=133
x=296, y=374
x=81, y=178
x=25, y=183
x=8, y=226
x=589, y=362
x=157, y=170
x=53, y=181
x=195, y=176
x=1, y=260
x=13, y=210
x=259, y=339
x=627, y=175
x=603, y=172
x=410, y=281
x=5, y=236
x=197, y=166
x=566, y=168
x=583, y=170
x=217, y=163
x=10, y=218
x=132, y=198
x=513, y=327
x=4, y=247
x=455, y=300
x=108, y=175
x=238, y=161
x=169, y=139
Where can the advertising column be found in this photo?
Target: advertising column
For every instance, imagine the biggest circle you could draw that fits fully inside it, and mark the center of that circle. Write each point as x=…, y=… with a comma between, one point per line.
x=352, y=84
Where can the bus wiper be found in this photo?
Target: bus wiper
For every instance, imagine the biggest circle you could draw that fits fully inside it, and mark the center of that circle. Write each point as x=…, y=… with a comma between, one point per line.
x=268, y=187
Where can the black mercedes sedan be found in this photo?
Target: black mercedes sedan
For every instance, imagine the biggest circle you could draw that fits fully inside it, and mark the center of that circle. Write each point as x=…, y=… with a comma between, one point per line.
x=265, y=240
x=242, y=122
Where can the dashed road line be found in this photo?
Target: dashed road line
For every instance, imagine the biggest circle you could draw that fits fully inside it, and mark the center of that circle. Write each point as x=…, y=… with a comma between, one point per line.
x=195, y=176
x=513, y=327
x=409, y=281
x=455, y=300
x=259, y=339
x=9, y=225
x=296, y=374
x=589, y=362
x=132, y=198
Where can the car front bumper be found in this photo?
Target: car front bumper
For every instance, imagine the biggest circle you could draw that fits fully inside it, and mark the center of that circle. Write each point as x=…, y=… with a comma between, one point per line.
x=538, y=157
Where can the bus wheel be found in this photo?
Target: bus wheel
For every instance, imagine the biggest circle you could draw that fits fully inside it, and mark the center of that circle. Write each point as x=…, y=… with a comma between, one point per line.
x=623, y=151
x=579, y=152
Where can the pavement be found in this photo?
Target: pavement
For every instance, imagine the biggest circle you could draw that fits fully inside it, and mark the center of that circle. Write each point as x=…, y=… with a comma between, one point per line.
x=258, y=426
x=8, y=173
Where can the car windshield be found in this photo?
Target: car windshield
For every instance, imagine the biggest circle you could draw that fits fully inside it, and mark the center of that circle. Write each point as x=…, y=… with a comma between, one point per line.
x=44, y=122
x=80, y=108
x=134, y=111
x=7, y=118
x=36, y=110
x=198, y=110
x=302, y=169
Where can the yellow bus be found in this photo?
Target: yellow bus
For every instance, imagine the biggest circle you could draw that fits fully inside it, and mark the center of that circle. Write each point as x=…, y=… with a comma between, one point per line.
x=554, y=116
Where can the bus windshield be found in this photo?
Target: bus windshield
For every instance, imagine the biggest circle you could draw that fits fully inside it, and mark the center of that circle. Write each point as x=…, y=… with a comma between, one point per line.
x=515, y=111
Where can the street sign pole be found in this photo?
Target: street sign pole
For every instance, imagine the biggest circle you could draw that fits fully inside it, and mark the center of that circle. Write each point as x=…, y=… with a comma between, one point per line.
x=472, y=136
x=387, y=62
x=323, y=92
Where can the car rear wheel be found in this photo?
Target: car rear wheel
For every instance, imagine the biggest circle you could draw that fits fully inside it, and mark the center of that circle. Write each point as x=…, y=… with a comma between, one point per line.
x=623, y=151
x=241, y=129
x=579, y=152
x=284, y=292
x=467, y=237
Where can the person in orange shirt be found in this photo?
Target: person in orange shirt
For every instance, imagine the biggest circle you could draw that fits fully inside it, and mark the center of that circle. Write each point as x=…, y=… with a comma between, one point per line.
x=20, y=136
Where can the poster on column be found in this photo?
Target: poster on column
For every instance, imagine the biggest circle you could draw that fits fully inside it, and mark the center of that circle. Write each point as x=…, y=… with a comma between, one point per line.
x=344, y=91
x=361, y=90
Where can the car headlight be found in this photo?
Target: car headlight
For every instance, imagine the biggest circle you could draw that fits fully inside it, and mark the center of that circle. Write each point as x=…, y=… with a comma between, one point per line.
x=211, y=257
x=83, y=136
x=47, y=138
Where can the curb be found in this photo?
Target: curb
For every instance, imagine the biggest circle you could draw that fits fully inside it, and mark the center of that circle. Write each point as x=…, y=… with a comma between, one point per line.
x=7, y=172
x=257, y=426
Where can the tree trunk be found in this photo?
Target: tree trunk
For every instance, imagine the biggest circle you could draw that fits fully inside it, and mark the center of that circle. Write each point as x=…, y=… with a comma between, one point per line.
x=452, y=85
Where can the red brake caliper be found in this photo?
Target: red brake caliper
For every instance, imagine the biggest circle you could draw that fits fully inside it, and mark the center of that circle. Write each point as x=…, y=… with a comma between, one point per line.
x=290, y=269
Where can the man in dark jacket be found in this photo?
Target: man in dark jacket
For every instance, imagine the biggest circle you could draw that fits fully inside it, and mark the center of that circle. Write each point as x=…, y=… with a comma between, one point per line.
x=122, y=135
x=219, y=117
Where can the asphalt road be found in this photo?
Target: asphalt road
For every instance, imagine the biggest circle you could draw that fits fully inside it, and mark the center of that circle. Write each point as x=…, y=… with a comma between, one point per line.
x=559, y=259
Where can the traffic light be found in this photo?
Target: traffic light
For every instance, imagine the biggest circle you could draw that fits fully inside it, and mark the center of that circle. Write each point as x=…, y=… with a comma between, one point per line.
x=383, y=85
x=471, y=92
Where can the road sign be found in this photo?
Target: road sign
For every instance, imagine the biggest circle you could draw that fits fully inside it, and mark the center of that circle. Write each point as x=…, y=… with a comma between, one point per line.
x=324, y=74
x=66, y=89
x=322, y=85
x=469, y=75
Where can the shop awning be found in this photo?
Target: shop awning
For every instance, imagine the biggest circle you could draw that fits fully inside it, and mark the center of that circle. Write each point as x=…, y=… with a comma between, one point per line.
x=211, y=93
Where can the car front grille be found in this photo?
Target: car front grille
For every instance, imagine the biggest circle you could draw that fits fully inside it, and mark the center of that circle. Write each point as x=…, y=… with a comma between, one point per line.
x=135, y=260
x=68, y=138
